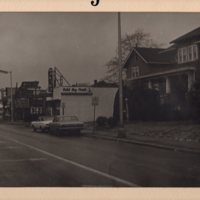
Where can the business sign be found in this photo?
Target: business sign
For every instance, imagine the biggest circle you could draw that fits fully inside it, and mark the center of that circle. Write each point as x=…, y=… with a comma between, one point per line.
x=36, y=110
x=76, y=91
x=51, y=80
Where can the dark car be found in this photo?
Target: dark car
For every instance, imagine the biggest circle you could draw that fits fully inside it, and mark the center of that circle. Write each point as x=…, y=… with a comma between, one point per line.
x=62, y=125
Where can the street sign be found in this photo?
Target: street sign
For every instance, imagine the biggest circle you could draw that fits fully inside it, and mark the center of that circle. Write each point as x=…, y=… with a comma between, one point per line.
x=95, y=101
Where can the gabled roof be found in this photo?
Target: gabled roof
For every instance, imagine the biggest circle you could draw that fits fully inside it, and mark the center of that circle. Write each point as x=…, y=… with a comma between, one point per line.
x=104, y=84
x=189, y=35
x=153, y=55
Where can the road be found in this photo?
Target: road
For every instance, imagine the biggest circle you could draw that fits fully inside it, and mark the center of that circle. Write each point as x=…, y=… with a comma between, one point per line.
x=30, y=159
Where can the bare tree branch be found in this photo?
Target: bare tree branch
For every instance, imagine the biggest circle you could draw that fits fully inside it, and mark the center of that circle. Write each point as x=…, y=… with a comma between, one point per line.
x=137, y=39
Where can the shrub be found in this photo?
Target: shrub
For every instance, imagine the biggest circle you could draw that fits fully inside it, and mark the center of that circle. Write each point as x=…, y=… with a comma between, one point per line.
x=101, y=121
x=143, y=104
x=111, y=122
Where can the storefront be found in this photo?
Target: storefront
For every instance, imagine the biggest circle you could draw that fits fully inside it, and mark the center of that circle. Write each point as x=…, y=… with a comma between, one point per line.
x=78, y=101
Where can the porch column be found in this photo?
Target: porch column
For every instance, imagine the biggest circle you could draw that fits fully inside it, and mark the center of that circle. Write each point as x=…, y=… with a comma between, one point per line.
x=191, y=79
x=168, y=85
x=149, y=84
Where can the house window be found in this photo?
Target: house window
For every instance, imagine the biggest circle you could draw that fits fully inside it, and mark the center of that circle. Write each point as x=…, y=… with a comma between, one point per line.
x=195, y=52
x=190, y=53
x=135, y=72
x=180, y=57
x=187, y=54
x=184, y=54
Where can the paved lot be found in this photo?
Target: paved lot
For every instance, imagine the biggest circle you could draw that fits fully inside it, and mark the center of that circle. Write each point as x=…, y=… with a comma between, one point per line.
x=37, y=159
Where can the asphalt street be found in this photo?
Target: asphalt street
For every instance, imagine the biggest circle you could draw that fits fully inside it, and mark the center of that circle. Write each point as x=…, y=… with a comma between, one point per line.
x=29, y=159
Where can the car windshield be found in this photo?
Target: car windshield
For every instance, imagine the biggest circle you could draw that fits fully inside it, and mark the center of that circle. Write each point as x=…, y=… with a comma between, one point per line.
x=65, y=118
x=45, y=118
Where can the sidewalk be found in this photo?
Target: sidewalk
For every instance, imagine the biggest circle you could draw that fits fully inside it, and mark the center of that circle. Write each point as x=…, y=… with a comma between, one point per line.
x=177, y=136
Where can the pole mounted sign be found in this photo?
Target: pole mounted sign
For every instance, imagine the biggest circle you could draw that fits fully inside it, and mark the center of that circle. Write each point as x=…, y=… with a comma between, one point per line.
x=95, y=101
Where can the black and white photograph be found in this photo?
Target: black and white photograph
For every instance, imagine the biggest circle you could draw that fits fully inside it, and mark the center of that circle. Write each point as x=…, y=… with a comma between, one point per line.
x=99, y=99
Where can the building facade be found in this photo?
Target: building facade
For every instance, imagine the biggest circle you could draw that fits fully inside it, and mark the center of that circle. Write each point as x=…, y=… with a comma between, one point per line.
x=29, y=101
x=170, y=71
x=79, y=101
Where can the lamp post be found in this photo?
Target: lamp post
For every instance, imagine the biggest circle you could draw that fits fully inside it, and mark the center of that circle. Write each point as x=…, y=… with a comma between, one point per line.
x=11, y=92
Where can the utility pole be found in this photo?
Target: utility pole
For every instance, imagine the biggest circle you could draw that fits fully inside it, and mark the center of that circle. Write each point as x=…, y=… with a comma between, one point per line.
x=120, y=72
x=121, y=131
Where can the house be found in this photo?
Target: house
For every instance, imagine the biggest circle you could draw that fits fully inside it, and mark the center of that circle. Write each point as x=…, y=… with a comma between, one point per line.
x=171, y=71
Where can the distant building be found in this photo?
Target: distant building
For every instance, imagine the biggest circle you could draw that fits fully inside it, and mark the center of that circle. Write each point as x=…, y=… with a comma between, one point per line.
x=29, y=101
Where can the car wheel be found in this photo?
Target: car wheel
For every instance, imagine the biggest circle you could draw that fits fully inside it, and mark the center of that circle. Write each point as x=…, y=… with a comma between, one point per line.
x=78, y=132
x=42, y=130
x=51, y=130
x=58, y=133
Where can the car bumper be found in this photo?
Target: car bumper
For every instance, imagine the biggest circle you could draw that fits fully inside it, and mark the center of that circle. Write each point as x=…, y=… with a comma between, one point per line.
x=69, y=128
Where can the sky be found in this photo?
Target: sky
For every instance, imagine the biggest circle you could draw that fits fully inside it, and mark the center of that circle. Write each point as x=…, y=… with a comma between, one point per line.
x=78, y=44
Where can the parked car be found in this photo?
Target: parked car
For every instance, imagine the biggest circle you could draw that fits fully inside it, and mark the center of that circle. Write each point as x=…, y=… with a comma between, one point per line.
x=66, y=125
x=42, y=124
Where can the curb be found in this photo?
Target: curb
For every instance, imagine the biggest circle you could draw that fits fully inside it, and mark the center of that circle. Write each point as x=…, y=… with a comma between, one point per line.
x=150, y=144
x=136, y=142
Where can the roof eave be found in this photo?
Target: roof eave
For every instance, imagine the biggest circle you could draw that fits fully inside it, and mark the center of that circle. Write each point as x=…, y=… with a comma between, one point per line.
x=134, y=49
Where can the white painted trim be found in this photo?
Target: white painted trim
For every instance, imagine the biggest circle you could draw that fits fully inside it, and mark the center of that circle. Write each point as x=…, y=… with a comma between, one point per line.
x=162, y=63
x=130, y=55
x=140, y=55
x=163, y=73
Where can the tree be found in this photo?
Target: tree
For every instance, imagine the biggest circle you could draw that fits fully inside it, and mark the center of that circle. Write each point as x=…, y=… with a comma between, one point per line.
x=138, y=39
